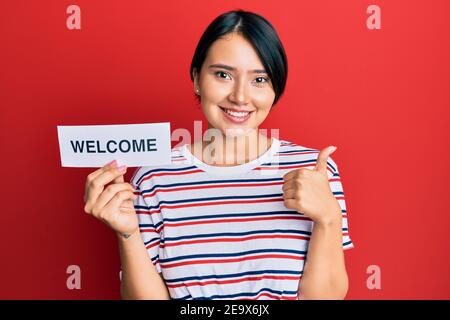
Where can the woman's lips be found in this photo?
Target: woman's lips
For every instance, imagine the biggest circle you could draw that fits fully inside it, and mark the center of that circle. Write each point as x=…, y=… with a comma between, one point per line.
x=235, y=119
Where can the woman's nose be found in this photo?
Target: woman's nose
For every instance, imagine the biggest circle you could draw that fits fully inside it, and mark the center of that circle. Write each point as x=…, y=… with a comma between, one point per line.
x=240, y=94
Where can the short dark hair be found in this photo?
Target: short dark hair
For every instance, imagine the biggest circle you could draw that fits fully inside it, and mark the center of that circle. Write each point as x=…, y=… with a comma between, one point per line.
x=262, y=36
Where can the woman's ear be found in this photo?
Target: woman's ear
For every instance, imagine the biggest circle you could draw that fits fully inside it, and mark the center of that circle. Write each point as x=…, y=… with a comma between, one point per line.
x=195, y=77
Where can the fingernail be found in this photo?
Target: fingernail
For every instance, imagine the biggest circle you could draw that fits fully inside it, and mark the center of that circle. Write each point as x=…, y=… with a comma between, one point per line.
x=112, y=164
x=333, y=148
x=122, y=168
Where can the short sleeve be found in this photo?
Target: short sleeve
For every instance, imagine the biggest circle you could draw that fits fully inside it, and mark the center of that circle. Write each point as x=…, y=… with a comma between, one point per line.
x=149, y=219
x=338, y=192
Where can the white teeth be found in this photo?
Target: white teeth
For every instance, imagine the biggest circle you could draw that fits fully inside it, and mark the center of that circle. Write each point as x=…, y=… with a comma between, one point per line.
x=236, y=114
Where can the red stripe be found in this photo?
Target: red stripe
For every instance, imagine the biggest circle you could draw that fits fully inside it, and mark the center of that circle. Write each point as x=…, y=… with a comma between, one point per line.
x=169, y=174
x=271, y=296
x=212, y=186
x=153, y=244
x=249, y=278
x=287, y=144
x=147, y=212
x=155, y=262
x=177, y=264
x=200, y=204
x=170, y=224
x=227, y=240
x=219, y=203
x=293, y=153
x=232, y=240
x=148, y=230
x=289, y=167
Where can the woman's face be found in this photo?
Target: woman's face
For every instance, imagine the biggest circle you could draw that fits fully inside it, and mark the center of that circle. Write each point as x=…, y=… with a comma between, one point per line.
x=233, y=78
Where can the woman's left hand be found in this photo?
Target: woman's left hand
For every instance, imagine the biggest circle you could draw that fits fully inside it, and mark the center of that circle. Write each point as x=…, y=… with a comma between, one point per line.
x=308, y=191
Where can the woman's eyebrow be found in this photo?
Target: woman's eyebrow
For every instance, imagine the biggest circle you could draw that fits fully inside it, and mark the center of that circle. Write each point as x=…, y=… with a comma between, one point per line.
x=224, y=66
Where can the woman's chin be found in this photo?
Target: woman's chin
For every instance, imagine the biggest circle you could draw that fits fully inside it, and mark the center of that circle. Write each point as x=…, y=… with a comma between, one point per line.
x=237, y=131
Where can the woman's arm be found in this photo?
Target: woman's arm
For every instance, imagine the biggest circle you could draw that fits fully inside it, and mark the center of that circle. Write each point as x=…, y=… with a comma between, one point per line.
x=324, y=275
x=309, y=192
x=140, y=280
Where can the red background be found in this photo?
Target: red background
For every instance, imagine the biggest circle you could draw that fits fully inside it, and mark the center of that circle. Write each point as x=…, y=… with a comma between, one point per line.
x=382, y=96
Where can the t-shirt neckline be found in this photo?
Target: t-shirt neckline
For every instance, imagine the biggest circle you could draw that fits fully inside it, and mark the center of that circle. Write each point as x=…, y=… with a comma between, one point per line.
x=238, y=169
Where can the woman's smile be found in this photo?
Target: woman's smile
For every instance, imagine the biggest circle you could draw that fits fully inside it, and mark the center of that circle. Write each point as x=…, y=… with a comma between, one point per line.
x=235, y=116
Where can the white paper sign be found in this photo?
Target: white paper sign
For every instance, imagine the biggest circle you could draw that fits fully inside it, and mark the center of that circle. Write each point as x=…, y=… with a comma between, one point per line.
x=133, y=145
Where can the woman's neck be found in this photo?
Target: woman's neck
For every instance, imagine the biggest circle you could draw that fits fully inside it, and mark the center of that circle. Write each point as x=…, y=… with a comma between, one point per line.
x=231, y=151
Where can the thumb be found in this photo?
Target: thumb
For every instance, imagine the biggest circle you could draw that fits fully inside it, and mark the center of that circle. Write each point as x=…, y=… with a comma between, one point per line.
x=322, y=158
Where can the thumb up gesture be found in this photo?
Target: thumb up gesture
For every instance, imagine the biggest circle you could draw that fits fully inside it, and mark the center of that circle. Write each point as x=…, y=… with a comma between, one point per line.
x=308, y=191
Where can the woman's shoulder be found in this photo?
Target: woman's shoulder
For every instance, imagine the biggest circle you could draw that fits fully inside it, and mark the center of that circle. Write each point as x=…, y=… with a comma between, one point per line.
x=292, y=146
x=291, y=149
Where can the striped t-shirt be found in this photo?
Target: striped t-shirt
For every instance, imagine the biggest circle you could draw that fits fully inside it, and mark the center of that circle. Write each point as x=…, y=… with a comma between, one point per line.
x=224, y=232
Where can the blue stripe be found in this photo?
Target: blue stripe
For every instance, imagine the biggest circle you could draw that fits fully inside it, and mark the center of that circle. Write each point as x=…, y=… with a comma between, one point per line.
x=162, y=186
x=227, y=215
x=234, y=234
x=234, y=254
x=301, y=150
x=212, y=235
x=156, y=226
x=146, y=225
x=152, y=240
x=271, y=164
x=248, y=294
x=289, y=163
x=232, y=275
x=150, y=225
x=183, y=298
x=347, y=243
x=273, y=195
x=164, y=169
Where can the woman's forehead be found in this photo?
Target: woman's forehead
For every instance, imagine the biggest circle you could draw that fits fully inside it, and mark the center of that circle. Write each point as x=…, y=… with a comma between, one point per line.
x=234, y=51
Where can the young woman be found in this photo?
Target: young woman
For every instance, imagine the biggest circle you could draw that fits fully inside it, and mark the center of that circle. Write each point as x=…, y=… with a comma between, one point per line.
x=271, y=226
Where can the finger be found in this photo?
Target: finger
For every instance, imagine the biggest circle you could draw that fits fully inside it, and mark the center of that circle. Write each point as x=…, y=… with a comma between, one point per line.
x=97, y=185
x=113, y=206
x=107, y=194
x=119, y=179
x=290, y=175
x=295, y=173
x=290, y=184
x=108, y=176
x=290, y=203
x=112, y=164
x=290, y=194
x=96, y=173
x=322, y=158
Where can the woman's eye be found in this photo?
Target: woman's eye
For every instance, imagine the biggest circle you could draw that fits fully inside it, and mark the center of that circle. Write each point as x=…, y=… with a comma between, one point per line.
x=263, y=78
x=220, y=73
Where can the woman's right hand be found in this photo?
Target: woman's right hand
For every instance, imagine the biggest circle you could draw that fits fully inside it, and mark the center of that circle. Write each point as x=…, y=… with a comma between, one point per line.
x=112, y=204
